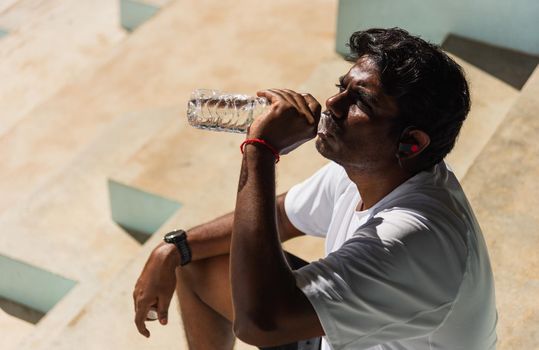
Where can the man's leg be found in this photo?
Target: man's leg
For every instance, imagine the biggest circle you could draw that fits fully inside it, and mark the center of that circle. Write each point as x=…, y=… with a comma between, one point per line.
x=203, y=289
x=205, y=298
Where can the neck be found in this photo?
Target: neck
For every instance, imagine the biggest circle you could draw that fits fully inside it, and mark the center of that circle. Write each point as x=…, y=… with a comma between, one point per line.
x=375, y=185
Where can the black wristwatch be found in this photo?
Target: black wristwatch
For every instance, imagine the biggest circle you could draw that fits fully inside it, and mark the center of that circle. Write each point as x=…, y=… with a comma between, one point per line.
x=179, y=239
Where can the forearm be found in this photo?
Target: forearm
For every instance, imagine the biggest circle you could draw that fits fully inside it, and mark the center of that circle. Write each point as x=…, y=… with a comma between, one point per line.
x=214, y=237
x=259, y=272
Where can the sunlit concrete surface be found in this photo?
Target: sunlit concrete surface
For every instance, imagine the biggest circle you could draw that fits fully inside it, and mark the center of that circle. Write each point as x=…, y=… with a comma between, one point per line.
x=15, y=327
x=50, y=43
x=122, y=120
x=502, y=187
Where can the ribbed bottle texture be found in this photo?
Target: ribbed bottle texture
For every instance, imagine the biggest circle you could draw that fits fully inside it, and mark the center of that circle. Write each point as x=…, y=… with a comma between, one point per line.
x=215, y=110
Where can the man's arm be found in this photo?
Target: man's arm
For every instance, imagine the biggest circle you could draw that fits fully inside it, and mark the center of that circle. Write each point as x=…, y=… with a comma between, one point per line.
x=213, y=238
x=157, y=281
x=269, y=309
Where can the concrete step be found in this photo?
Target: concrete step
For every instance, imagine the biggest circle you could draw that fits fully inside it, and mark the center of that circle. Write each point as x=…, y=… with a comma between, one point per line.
x=491, y=99
x=151, y=69
x=80, y=190
x=6, y=4
x=503, y=189
x=15, y=327
x=512, y=67
x=50, y=43
x=68, y=218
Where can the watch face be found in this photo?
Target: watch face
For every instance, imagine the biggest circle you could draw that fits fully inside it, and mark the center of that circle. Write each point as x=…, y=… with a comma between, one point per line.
x=171, y=236
x=179, y=239
x=168, y=236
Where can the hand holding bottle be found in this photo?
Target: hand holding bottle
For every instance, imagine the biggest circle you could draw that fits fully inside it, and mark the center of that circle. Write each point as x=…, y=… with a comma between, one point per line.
x=290, y=121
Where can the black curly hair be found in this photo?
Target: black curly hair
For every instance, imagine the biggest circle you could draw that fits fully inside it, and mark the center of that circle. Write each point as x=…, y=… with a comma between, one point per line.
x=429, y=87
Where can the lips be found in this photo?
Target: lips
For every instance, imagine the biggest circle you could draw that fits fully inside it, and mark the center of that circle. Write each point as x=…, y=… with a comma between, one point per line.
x=326, y=125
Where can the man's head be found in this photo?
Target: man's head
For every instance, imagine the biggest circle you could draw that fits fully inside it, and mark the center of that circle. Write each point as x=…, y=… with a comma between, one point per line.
x=415, y=91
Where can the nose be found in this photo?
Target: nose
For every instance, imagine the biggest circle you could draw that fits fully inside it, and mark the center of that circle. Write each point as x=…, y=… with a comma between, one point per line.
x=336, y=104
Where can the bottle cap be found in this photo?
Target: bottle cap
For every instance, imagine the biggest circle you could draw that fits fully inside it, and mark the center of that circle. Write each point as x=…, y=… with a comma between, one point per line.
x=152, y=315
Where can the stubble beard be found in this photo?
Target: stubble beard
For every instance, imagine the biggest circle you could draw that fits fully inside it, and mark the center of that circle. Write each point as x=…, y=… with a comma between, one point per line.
x=323, y=149
x=350, y=159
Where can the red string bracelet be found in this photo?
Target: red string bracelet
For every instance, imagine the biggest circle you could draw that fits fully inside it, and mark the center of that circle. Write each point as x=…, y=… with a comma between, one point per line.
x=262, y=142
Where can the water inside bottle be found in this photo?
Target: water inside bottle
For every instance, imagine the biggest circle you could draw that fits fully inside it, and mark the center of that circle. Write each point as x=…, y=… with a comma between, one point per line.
x=213, y=110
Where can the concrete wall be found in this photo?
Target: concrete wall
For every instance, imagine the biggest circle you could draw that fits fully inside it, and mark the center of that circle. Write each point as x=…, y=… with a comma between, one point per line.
x=511, y=24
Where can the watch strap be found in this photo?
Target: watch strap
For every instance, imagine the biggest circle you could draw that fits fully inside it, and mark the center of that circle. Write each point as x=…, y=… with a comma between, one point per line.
x=185, y=251
x=179, y=239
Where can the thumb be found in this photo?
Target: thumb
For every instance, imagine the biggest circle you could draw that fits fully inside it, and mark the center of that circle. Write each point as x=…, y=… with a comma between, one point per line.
x=162, y=309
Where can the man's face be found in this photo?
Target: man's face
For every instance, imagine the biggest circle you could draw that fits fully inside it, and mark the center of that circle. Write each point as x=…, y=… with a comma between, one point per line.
x=355, y=129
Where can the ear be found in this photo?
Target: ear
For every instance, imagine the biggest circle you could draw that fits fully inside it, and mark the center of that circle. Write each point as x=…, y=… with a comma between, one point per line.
x=413, y=142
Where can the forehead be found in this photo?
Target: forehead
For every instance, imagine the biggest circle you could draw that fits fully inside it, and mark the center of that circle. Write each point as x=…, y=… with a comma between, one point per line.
x=364, y=76
x=364, y=73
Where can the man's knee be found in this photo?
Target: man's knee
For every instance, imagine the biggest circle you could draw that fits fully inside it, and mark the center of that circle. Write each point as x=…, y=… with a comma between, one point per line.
x=204, y=272
x=209, y=281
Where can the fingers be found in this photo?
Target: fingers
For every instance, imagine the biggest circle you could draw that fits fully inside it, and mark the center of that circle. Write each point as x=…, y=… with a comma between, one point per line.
x=314, y=106
x=145, y=311
x=142, y=308
x=162, y=309
x=272, y=97
x=304, y=103
x=140, y=318
x=135, y=299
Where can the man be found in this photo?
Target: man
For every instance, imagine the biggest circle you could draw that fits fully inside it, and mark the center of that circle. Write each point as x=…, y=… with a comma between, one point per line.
x=406, y=264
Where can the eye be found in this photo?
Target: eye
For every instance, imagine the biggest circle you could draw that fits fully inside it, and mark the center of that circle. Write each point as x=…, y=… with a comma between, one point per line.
x=360, y=103
x=340, y=87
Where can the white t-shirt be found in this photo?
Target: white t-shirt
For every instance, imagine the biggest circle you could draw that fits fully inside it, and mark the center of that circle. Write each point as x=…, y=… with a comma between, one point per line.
x=412, y=272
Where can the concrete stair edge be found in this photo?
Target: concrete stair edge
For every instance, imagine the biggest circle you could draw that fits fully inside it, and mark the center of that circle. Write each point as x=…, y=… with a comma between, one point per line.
x=502, y=187
x=491, y=100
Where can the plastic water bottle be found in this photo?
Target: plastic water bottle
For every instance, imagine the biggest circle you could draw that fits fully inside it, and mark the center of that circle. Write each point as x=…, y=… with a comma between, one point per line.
x=215, y=110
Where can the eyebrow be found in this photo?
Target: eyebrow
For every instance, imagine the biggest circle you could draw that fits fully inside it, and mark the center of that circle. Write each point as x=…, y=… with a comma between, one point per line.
x=369, y=98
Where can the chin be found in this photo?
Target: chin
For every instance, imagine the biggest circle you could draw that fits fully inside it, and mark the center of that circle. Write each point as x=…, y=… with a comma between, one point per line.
x=342, y=156
x=325, y=149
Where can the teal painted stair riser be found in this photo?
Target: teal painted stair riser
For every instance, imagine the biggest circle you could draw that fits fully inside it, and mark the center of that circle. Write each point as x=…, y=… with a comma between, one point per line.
x=140, y=213
x=134, y=13
x=31, y=286
x=510, y=24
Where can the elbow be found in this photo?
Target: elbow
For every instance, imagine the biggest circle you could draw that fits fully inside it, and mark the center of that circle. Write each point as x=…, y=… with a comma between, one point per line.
x=244, y=334
x=255, y=331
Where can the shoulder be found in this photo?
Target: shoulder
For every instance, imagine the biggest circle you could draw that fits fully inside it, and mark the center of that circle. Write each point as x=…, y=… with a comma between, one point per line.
x=432, y=200
x=418, y=232
x=331, y=179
